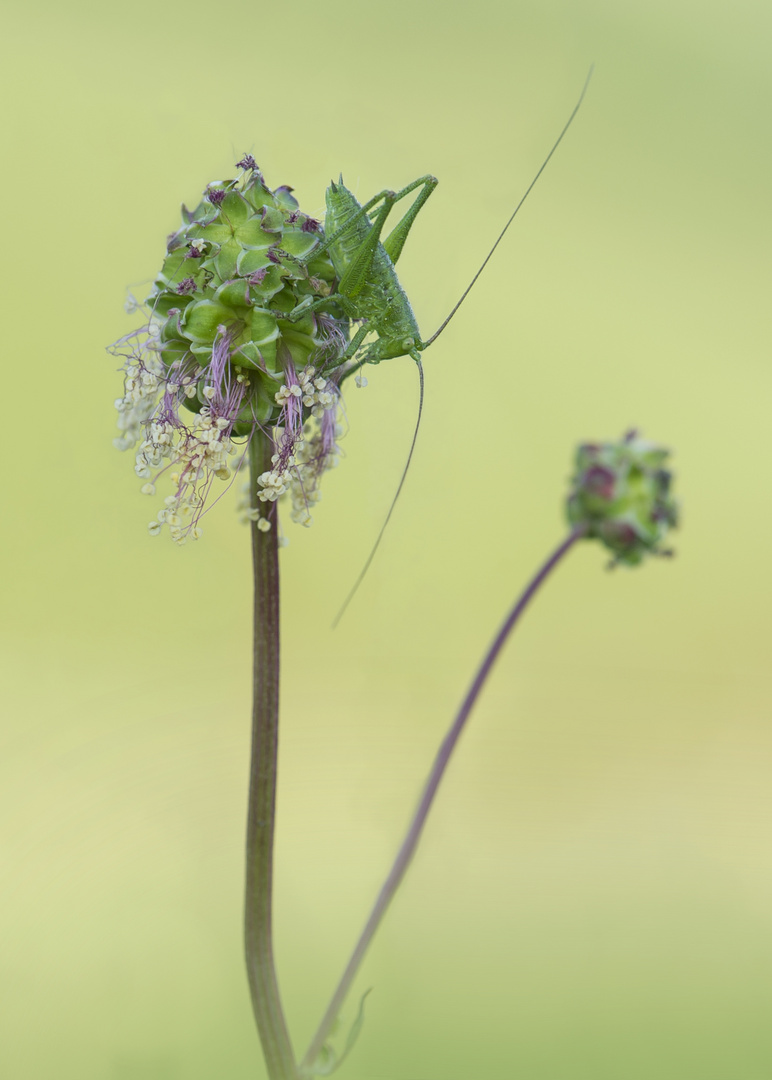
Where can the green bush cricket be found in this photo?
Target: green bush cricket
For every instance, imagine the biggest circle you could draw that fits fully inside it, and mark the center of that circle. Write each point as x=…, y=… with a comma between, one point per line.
x=368, y=289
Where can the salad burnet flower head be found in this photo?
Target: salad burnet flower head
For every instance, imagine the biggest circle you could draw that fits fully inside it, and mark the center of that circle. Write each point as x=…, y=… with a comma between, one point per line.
x=220, y=355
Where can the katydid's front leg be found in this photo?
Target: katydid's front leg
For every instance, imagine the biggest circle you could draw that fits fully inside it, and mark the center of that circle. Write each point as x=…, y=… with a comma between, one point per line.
x=307, y=306
x=352, y=349
x=358, y=272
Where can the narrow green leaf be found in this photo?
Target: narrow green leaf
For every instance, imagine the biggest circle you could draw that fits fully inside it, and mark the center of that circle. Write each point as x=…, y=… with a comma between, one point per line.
x=328, y=1061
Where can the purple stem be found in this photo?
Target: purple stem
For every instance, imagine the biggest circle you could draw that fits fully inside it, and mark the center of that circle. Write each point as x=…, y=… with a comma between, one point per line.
x=258, y=932
x=410, y=843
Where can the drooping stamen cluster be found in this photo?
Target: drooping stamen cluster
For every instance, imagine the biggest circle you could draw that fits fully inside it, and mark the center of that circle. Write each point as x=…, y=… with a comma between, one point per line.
x=196, y=449
x=318, y=452
x=299, y=461
x=143, y=375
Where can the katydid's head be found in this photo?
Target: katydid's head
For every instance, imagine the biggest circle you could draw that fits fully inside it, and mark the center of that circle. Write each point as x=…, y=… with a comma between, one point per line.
x=620, y=495
x=231, y=342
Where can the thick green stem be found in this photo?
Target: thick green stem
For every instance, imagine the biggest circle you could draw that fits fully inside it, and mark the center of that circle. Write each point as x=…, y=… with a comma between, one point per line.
x=258, y=934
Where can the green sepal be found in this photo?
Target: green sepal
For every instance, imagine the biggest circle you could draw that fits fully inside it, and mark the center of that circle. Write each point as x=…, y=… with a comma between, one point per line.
x=172, y=327
x=192, y=404
x=234, y=210
x=321, y=267
x=162, y=303
x=285, y=197
x=268, y=352
x=176, y=239
x=214, y=233
x=252, y=235
x=202, y=215
x=225, y=259
x=209, y=268
x=174, y=269
x=272, y=283
x=234, y=293
x=305, y=326
x=263, y=328
x=250, y=261
x=298, y=243
x=247, y=355
x=273, y=219
x=174, y=352
x=202, y=353
x=243, y=427
x=301, y=347
x=258, y=195
x=259, y=406
x=284, y=303
x=263, y=396
x=218, y=185
x=202, y=319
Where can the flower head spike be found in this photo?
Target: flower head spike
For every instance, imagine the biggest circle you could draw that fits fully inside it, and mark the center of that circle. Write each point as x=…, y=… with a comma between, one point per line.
x=229, y=345
x=621, y=495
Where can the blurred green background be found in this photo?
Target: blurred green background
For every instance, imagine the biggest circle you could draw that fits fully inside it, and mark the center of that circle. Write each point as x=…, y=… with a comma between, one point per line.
x=593, y=897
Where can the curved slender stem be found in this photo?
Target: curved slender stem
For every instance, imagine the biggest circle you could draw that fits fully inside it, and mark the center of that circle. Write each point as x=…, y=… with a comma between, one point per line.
x=258, y=934
x=410, y=843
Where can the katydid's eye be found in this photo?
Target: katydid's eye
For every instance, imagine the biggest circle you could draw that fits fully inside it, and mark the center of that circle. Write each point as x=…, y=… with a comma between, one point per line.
x=408, y=343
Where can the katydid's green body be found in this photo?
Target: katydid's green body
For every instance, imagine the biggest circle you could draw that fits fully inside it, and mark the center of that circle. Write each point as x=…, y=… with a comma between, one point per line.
x=368, y=288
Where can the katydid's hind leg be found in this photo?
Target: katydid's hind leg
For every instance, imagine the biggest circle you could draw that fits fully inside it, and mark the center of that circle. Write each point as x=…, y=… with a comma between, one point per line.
x=357, y=273
x=396, y=238
x=328, y=241
x=395, y=241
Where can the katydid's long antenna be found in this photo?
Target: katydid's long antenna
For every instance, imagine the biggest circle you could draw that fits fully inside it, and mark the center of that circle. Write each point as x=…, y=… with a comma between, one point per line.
x=514, y=213
x=371, y=556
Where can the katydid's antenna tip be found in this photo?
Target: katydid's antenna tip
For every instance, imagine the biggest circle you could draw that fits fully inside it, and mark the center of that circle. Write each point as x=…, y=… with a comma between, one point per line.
x=514, y=213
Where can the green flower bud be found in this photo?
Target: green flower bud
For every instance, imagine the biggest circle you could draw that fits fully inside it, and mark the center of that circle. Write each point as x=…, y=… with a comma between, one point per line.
x=620, y=495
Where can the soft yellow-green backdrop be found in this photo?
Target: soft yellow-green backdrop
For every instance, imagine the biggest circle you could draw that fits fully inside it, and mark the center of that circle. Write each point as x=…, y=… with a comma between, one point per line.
x=593, y=897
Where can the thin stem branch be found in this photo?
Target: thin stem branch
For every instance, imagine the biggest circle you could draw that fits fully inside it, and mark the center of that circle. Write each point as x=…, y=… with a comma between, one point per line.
x=258, y=934
x=410, y=843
